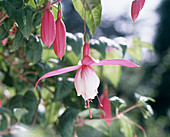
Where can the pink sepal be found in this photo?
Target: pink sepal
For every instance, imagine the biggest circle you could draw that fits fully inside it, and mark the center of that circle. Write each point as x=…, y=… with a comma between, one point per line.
x=142, y=2
x=106, y=107
x=48, y=28
x=58, y=72
x=60, y=39
x=121, y=62
x=135, y=8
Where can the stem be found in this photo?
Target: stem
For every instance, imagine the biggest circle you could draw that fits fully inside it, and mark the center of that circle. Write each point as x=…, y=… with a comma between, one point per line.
x=55, y=2
x=140, y=127
x=4, y=17
x=129, y=109
x=115, y=117
x=36, y=112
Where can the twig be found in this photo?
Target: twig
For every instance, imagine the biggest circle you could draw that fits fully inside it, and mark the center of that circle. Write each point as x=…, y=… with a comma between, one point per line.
x=55, y=2
x=36, y=112
x=81, y=123
x=140, y=127
x=3, y=17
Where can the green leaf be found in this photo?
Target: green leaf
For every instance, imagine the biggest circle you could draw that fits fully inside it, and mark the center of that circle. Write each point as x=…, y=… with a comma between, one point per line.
x=19, y=112
x=63, y=88
x=66, y=122
x=95, y=112
x=37, y=18
x=75, y=41
x=3, y=32
x=146, y=109
x=26, y=29
x=18, y=41
x=99, y=45
x=20, y=18
x=112, y=72
x=93, y=12
x=54, y=11
x=136, y=49
x=32, y=3
x=28, y=101
x=40, y=2
x=126, y=126
x=5, y=110
x=51, y=112
x=99, y=130
x=118, y=102
x=33, y=50
x=16, y=3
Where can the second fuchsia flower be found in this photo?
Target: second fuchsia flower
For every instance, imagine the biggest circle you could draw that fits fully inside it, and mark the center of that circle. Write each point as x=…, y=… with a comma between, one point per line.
x=48, y=28
x=86, y=80
x=106, y=107
x=136, y=7
x=60, y=39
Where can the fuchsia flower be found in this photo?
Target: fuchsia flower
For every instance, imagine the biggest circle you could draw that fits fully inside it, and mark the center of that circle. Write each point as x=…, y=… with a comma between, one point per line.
x=106, y=107
x=48, y=28
x=135, y=8
x=142, y=2
x=60, y=39
x=86, y=80
x=4, y=42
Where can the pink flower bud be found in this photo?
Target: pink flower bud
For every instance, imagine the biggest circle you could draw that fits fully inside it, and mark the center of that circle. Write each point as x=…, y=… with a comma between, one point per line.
x=135, y=9
x=4, y=42
x=106, y=107
x=48, y=28
x=142, y=2
x=60, y=39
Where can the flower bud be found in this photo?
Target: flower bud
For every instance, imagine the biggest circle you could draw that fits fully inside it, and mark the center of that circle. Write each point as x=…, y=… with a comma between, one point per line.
x=48, y=28
x=142, y=2
x=60, y=39
x=135, y=9
x=106, y=107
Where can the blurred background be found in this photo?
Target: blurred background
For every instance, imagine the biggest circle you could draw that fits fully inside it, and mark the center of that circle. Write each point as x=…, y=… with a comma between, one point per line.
x=153, y=78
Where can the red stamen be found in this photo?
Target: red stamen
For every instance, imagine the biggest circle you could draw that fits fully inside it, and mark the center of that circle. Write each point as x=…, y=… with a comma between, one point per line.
x=90, y=115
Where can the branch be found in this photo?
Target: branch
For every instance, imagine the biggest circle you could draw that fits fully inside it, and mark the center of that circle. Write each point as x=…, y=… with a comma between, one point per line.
x=36, y=112
x=81, y=123
x=4, y=17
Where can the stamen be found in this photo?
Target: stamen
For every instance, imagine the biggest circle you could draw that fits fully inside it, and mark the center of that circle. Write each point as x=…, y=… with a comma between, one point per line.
x=90, y=115
x=85, y=104
x=99, y=101
x=90, y=100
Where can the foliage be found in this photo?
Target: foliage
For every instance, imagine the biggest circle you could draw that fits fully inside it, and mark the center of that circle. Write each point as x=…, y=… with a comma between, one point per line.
x=53, y=105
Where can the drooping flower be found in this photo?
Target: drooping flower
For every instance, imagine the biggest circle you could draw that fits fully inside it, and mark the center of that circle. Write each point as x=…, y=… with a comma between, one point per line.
x=135, y=9
x=60, y=39
x=142, y=2
x=4, y=42
x=86, y=80
x=106, y=106
x=48, y=28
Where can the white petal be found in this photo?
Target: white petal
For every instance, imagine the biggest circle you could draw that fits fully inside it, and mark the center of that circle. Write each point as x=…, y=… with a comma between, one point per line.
x=86, y=83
